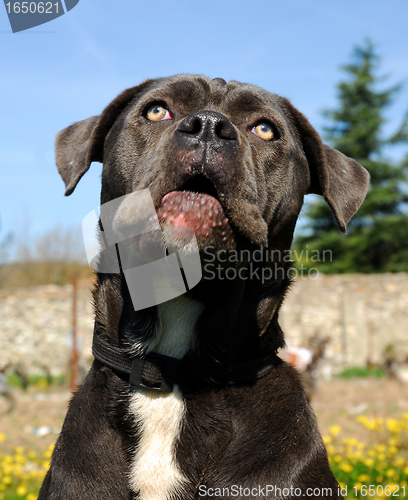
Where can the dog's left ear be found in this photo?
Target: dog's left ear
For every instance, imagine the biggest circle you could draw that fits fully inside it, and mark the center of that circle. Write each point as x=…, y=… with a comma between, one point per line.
x=78, y=145
x=340, y=180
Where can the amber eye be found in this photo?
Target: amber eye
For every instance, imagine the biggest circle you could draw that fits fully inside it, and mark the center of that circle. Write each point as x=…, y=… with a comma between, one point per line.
x=264, y=131
x=157, y=113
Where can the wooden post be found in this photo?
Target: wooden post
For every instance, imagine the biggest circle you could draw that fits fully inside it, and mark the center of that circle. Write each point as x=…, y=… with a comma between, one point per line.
x=343, y=323
x=74, y=353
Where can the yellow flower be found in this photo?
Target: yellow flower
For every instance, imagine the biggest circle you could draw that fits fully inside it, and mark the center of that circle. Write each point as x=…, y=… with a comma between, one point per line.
x=19, y=459
x=334, y=430
x=21, y=491
x=368, y=462
x=351, y=441
x=394, y=487
x=7, y=480
x=371, y=424
x=363, y=478
x=31, y=496
x=399, y=462
x=327, y=439
x=346, y=467
x=2, y=437
x=379, y=479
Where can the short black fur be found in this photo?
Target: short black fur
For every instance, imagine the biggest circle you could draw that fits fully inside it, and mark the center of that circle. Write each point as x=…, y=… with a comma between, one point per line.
x=255, y=434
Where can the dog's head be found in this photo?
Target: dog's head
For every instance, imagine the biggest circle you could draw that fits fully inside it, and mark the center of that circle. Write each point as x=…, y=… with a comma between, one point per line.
x=228, y=160
x=231, y=162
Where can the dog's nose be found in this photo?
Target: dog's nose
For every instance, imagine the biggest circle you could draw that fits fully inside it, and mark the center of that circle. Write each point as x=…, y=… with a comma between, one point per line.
x=207, y=126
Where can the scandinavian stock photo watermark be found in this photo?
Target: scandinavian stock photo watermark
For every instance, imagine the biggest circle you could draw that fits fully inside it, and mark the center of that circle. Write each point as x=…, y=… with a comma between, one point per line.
x=262, y=263
x=130, y=240
x=161, y=263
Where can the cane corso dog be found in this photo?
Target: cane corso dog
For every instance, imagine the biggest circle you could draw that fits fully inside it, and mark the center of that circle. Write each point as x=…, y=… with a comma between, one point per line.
x=188, y=398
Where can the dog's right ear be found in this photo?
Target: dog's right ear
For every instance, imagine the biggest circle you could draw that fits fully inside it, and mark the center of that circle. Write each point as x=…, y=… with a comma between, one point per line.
x=78, y=145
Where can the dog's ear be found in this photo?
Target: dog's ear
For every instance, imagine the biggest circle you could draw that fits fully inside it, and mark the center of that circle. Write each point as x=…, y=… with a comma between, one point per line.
x=345, y=186
x=74, y=151
x=340, y=180
x=78, y=145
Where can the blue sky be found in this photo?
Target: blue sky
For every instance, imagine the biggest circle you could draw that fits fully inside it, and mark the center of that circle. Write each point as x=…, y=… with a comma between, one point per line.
x=70, y=68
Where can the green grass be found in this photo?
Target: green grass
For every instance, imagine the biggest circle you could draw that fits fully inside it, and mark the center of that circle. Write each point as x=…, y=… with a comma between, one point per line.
x=362, y=372
x=35, y=380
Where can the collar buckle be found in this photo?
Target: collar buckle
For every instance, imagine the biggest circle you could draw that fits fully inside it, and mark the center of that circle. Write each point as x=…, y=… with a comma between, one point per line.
x=154, y=372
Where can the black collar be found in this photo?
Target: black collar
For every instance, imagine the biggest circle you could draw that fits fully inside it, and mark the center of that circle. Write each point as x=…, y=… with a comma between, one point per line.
x=157, y=372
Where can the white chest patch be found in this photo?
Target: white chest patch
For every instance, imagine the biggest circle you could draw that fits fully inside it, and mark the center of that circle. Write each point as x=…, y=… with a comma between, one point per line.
x=154, y=473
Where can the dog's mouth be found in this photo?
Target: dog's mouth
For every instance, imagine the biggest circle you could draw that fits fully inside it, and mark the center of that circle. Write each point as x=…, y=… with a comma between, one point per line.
x=199, y=184
x=196, y=206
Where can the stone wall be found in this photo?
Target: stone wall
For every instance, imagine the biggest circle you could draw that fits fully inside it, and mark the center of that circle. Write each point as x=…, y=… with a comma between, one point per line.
x=361, y=314
x=36, y=327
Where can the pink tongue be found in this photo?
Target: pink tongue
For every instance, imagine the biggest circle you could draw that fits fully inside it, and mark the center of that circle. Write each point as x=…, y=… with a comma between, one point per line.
x=179, y=220
x=200, y=212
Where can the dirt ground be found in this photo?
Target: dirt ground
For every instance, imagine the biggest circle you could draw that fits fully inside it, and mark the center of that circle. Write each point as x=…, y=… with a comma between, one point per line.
x=36, y=418
x=340, y=401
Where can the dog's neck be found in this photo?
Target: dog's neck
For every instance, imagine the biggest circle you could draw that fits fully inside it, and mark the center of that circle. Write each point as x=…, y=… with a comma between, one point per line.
x=175, y=331
x=216, y=324
x=168, y=328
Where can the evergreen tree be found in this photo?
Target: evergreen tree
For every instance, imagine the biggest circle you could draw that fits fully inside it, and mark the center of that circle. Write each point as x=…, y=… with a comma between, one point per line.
x=377, y=239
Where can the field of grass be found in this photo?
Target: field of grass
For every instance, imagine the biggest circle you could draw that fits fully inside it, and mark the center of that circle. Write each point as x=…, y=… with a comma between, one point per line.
x=364, y=423
x=377, y=468
x=30, y=274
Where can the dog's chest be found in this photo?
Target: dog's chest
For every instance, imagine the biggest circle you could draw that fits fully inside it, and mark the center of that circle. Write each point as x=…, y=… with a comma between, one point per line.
x=154, y=474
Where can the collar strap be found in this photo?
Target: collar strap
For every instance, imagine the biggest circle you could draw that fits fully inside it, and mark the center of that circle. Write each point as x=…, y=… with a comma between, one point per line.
x=157, y=372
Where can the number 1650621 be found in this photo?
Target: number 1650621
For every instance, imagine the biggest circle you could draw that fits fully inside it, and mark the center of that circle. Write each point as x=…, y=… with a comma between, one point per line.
x=32, y=7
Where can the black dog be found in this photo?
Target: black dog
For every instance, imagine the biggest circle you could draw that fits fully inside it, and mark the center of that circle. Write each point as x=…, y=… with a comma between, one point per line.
x=212, y=412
